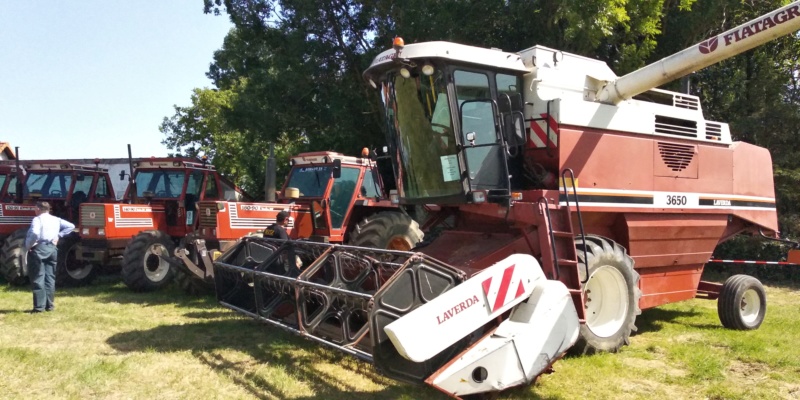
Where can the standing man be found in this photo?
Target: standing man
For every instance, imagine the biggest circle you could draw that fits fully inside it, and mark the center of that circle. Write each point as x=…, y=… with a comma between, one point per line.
x=42, y=255
x=278, y=229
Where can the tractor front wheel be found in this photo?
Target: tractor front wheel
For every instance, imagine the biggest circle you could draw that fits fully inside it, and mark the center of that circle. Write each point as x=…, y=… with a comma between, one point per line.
x=143, y=270
x=70, y=271
x=611, y=296
x=742, y=303
x=387, y=230
x=14, y=264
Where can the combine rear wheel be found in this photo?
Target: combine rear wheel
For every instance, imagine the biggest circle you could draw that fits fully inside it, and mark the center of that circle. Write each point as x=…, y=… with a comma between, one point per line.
x=142, y=268
x=742, y=303
x=612, y=296
x=14, y=264
x=70, y=271
x=387, y=230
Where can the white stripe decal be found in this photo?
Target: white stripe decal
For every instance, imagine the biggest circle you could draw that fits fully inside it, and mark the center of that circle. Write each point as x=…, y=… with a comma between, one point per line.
x=120, y=222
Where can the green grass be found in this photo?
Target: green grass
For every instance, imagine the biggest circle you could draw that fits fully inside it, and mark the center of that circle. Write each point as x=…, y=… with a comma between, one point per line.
x=107, y=342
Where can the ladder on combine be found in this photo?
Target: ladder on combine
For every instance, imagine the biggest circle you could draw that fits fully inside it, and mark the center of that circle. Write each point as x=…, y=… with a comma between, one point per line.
x=559, y=245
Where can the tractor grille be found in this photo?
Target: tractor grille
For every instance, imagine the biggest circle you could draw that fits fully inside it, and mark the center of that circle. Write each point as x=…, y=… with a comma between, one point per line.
x=676, y=156
x=208, y=215
x=93, y=215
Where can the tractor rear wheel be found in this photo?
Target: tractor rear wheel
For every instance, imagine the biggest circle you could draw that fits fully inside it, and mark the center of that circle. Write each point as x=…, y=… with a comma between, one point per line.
x=611, y=294
x=142, y=268
x=70, y=271
x=14, y=265
x=387, y=230
x=742, y=303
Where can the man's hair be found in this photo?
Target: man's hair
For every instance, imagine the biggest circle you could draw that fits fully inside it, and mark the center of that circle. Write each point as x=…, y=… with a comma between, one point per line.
x=43, y=206
x=282, y=216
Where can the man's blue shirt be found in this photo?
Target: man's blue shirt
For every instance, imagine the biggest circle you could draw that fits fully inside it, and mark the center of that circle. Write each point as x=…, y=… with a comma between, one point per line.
x=47, y=228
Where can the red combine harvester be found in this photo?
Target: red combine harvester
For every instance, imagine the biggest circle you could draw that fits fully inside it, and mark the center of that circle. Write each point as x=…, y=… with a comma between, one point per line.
x=330, y=197
x=158, y=210
x=580, y=198
x=65, y=186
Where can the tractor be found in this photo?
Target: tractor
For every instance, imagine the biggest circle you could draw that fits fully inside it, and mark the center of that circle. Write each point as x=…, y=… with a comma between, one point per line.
x=65, y=186
x=158, y=210
x=330, y=197
x=580, y=198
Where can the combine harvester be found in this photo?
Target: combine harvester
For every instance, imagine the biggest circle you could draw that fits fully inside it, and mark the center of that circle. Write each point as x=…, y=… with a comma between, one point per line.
x=580, y=198
x=321, y=198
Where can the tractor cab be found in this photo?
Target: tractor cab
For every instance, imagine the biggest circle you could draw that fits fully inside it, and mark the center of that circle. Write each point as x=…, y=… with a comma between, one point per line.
x=67, y=186
x=10, y=182
x=331, y=184
x=174, y=186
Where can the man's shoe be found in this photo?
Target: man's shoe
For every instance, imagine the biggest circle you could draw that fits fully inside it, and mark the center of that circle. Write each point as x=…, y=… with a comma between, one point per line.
x=33, y=311
x=50, y=309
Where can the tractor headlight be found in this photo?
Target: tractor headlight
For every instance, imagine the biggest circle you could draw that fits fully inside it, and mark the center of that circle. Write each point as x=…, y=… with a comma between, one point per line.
x=101, y=232
x=85, y=231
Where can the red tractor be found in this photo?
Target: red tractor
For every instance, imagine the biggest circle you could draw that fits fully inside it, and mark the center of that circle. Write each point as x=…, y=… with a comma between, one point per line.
x=65, y=186
x=330, y=197
x=158, y=210
x=580, y=199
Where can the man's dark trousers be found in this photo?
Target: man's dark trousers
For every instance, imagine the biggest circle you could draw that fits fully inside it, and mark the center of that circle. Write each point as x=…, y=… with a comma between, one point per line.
x=42, y=272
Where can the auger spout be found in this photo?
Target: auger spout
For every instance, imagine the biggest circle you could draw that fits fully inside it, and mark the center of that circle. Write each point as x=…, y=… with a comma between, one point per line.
x=753, y=33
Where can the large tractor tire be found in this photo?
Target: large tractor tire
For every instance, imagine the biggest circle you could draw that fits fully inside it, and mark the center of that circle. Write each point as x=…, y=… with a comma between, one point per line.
x=742, y=303
x=612, y=296
x=14, y=263
x=142, y=268
x=192, y=285
x=71, y=272
x=387, y=230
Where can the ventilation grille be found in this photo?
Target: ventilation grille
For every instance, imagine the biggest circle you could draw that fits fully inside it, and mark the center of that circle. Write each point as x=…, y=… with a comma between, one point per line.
x=676, y=126
x=691, y=103
x=93, y=215
x=208, y=215
x=676, y=156
x=713, y=131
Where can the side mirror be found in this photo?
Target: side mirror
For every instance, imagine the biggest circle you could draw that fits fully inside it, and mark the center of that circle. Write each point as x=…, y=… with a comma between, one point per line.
x=337, y=168
x=122, y=175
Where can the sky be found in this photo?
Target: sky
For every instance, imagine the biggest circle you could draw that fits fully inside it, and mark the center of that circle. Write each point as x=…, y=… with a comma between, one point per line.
x=84, y=78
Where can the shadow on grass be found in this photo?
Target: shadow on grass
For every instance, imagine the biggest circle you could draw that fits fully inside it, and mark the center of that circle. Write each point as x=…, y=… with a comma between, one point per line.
x=653, y=320
x=117, y=292
x=266, y=345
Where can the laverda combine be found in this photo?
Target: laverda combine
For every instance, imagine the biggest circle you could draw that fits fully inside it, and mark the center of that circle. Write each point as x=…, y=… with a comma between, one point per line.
x=580, y=199
x=65, y=186
x=330, y=197
x=159, y=209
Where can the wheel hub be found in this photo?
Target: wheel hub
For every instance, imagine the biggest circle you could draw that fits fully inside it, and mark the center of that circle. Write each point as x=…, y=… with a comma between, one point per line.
x=750, y=306
x=154, y=267
x=75, y=268
x=606, y=301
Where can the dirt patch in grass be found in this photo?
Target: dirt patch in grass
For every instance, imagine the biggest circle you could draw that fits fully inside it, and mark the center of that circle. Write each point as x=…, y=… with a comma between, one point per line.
x=655, y=365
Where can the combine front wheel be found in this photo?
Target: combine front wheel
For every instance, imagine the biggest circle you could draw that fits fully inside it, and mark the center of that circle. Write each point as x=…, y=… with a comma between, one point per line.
x=612, y=296
x=142, y=268
x=14, y=263
x=742, y=303
x=387, y=230
x=70, y=271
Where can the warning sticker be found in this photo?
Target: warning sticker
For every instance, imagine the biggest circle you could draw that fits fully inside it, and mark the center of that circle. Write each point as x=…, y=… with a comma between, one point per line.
x=450, y=168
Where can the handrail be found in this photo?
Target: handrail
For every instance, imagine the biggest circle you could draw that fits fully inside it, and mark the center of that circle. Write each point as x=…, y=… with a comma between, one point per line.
x=578, y=210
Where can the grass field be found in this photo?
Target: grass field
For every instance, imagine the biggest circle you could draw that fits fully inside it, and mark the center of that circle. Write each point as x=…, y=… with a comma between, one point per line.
x=107, y=342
